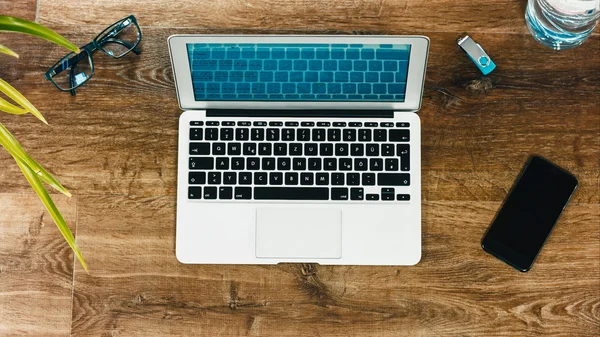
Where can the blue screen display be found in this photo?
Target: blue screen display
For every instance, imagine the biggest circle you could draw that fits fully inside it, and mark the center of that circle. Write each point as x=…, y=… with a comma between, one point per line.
x=299, y=72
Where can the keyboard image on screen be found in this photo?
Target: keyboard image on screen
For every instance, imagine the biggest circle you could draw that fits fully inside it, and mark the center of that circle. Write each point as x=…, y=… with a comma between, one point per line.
x=276, y=160
x=302, y=72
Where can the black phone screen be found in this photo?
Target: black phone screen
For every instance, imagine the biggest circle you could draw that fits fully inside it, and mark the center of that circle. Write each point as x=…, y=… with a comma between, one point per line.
x=529, y=213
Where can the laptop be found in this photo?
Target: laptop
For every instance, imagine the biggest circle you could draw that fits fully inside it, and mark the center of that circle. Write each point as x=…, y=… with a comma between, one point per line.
x=299, y=148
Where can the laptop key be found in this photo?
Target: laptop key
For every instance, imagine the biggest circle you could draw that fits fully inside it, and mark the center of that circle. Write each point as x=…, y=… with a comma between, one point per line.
x=350, y=135
x=234, y=149
x=197, y=178
x=318, y=135
x=268, y=164
x=372, y=196
x=229, y=178
x=339, y=193
x=391, y=164
x=329, y=164
x=245, y=178
x=357, y=150
x=341, y=149
x=387, y=194
x=222, y=163
x=195, y=192
x=199, y=149
x=196, y=134
x=295, y=149
x=353, y=179
x=280, y=149
x=225, y=192
x=275, y=178
x=357, y=193
x=249, y=149
x=360, y=164
x=226, y=133
x=368, y=179
x=326, y=149
x=337, y=179
x=252, y=163
x=210, y=193
x=376, y=164
x=334, y=135
x=291, y=178
x=322, y=179
x=299, y=164
x=291, y=193
x=214, y=178
x=387, y=150
x=244, y=193
x=218, y=148
x=307, y=178
x=314, y=164
x=403, y=197
x=380, y=135
x=260, y=178
x=372, y=150
x=211, y=134
x=283, y=164
x=310, y=149
x=264, y=149
x=345, y=164
x=303, y=135
x=364, y=135
x=393, y=179
x=399, y=135
x=202, y=163
x=258, y=134
x=273, y=134
x=287, y=134
x=237, y=163
x=241, y=134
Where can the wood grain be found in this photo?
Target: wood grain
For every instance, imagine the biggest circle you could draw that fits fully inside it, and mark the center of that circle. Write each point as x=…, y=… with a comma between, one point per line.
x=390, y=17
x=114, y=146
x=24, y=9
x=36, y=267
x=144, y=291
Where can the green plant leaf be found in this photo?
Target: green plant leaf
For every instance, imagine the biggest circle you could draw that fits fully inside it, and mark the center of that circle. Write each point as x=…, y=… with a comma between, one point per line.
x=16, y=96
x=8, y=51
x=10, y=143
x=12, y=24
x=60, y=222
x=5, y=106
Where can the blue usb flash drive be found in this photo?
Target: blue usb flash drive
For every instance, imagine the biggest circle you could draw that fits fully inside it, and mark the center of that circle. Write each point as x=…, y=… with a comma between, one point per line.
x=481, y=59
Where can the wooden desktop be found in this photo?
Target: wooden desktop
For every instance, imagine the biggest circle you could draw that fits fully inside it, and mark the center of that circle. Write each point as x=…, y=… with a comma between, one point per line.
x=114, y=146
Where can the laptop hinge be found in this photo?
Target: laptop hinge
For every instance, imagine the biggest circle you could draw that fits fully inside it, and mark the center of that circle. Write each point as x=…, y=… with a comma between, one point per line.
x=300, y=113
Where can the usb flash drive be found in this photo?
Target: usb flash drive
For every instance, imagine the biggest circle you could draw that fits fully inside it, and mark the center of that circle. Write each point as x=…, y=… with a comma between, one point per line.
x=476, y=54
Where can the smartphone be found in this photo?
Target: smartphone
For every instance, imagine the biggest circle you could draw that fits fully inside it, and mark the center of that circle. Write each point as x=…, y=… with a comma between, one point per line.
x=530, y=211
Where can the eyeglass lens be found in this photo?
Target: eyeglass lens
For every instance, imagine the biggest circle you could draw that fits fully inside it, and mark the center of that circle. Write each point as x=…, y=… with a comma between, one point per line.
x=74, y=70
x=120, y=38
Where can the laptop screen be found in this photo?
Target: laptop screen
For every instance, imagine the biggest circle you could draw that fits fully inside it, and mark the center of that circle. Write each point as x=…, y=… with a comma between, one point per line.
x=299, y=72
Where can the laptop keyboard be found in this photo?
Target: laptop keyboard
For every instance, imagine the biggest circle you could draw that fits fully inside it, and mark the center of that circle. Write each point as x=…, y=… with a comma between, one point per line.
x=276, y=160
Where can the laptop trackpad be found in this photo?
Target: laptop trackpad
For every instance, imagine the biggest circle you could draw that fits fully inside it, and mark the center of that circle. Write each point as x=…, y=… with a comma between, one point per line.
x=299, y=233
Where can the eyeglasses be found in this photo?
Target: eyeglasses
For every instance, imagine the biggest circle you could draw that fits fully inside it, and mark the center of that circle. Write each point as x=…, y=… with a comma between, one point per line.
x=116, y=41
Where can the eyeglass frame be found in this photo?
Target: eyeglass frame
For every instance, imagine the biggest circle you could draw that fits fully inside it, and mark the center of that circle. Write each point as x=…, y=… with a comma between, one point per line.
x=89, y=49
